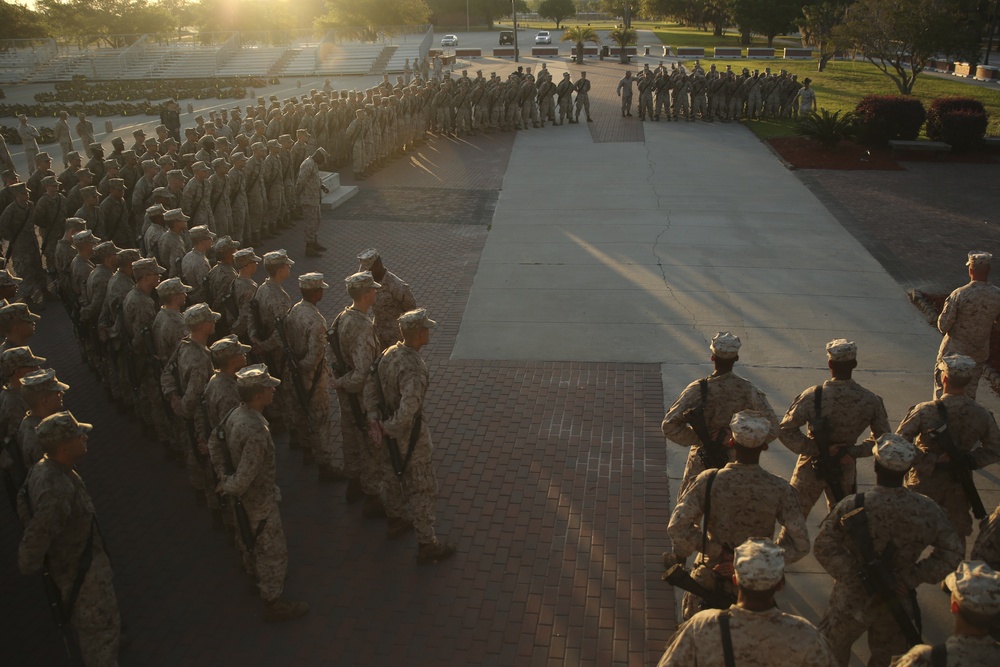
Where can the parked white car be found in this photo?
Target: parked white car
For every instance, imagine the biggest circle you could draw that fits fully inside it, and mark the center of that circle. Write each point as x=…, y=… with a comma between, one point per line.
x=449, y=40
x=543, y=37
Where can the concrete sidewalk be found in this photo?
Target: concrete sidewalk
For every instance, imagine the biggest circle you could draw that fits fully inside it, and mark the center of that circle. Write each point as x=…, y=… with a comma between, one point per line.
x=641, y=252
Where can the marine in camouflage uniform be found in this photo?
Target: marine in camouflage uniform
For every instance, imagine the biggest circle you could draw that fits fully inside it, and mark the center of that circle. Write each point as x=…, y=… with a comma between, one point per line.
x=358, y=346
x=973, y=432
x=17, y=228
x=59, y=525
x=236, y=306
x=256, y=192
x=305, y=328
x=967, y=319
x=758, y=632
x=50, y=218
x=167, y=331
x=15, y=364
x=222, y=197
x=116, y=225
x=846, y=409
x=196, y=200
x=106, y=257
x=138, y=311
x=273, y=302
x=746, y=501
x=394, y=297
x=195, y=266
x=42, y=392
x=909, y=521
x=237, y=180
x=110, y=324
x=726, y=394
x=183, y=383
x=220, y=280
x=309, y=190
x=399, y=383
x=170, y=247
x=245, y=436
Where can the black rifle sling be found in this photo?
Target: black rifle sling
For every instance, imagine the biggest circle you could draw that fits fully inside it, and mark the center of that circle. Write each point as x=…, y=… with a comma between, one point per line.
x=15, y=235
x=818, y=404
x=708, y=510
x=83, y=563
x=939, y=656
x=220, y=433
x=727, y=640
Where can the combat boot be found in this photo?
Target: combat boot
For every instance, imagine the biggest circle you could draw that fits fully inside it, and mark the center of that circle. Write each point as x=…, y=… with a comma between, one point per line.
x=312, y=251
x=354, y=492
x=319, y=247
x=283, y=610
x=434, y=552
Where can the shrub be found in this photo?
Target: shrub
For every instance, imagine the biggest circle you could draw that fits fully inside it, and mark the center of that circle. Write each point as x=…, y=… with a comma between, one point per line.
x=959, y=121
x=884, y=117
x=827, y=128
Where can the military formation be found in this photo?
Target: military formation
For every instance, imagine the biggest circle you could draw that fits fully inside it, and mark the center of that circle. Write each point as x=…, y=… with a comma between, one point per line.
x=678, y=94
x=142, y=247
x=878, y=546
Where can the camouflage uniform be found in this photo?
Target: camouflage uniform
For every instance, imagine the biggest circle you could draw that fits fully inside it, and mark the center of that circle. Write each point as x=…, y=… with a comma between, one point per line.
x=273, y=302
x=911, y=522
x=50, y=218
x=967, y=322
x=94, y=295
x=27, y=444
x=758, y=637
x=139, y=312
x=728, y=394
x=168, y=329
x=170, y=250
x=193, y=364
x=110, y=320
x=359, y=348
x=404, y=378
x=309, y=191
x=243, y=290
x=196, y=201
x=848, y=409
x=17, y=227
x=987, y=547
x=115, y=224
x=394, y=299
x=194, y=270
x=251, y=449
x=305, y=327
x=961, y=650
x=970, y=425
x=57, y=526
x=747, y=500
x=220, y=281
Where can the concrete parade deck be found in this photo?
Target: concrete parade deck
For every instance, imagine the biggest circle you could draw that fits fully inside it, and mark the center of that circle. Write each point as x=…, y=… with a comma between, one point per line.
x=578, y=273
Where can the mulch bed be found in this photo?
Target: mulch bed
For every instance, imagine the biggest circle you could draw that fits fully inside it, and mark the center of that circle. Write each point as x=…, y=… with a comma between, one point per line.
x=804, y=153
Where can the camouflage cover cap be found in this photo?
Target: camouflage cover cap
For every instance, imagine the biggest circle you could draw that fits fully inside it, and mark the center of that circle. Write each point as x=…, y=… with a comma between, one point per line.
x=151, y=142
x=111, y=163
x=89, y=191
x=104, y=249
x=176, y=173
x=175, y=215
x=73, y=155
x=725, y=345
x=149, y=164
x=172, y=286
x=894, y=452
x=146, y=267
x=228, y=347
x=118, y=141
x=225, y=244
x=201, y=233
x=841, y=349
x=50, y=180
x=128, y=255
x=245, y=256
x=43, y=380
x=416, y=319
x=18, y=188
x=165, y=159
x=277, y=257
x=199, y=314
x=219, y=162
x=238, y=156
x=957, y=366
x=257, y=146
x=96, y=146
x=312, y=281
x=361, y=280
x=76, y=223
x=116, y=183
x=138, y=133
x=367, y=258
x=750, y=428
x=43, y=156
x=7, y=280
x=155, y=209
x=129, y=153
x=18, y=357
x=200, y=166
x=255, y=376
x=979, y=259
x=759, y=564
x=86, y=236
x=60, y=427
x=976, y=586
x=273, y=143
x=163, y=193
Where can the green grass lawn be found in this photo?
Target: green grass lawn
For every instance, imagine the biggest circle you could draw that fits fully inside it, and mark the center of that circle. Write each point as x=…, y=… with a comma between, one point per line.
x=844, y=83
x=675, y=36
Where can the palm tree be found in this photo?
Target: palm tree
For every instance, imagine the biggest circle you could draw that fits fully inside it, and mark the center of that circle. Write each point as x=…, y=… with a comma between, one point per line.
x=623, y=37
x=580, y=34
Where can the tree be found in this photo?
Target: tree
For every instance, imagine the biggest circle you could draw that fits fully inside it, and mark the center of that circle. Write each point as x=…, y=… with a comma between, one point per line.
x=117, y=22
x=254, y=16
x=19, y=22
x=618, y=7
x=580, y=34
x=900, y=36
x=700, y=13
x=371, y=14
x=766, y=17
x=816, y=25
x=623, y=37
x=557, y=10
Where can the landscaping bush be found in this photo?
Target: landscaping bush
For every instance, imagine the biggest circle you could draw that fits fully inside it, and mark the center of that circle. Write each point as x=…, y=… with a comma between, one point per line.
x=959, y=121
x=829, y=129
x=882, y=118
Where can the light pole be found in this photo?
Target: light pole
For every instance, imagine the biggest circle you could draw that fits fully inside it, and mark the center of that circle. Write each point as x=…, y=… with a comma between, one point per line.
x=993, y=28
x=513, y=12
x=467, y=29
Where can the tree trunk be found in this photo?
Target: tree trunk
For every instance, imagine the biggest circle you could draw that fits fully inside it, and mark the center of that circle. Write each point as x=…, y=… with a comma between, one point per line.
x=622, y=55
x=746, y=38
x=717, y=30
x=770, y=41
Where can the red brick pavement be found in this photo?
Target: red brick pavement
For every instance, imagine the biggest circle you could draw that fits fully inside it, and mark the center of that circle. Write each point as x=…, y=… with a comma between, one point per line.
x=553, y=486
x=605, y=106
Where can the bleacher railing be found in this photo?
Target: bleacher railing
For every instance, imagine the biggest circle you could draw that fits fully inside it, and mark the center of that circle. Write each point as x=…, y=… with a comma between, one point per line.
x=227, y=50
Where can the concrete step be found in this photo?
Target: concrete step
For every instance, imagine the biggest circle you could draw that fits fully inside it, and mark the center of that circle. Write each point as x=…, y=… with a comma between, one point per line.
x=338, y=193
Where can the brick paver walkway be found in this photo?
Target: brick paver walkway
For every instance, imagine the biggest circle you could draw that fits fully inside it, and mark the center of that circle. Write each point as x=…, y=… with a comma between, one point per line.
x=551, y=474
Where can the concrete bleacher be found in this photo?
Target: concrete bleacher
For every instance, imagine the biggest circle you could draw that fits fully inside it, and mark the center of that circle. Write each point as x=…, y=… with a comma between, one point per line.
x=17, y=65
x=63, y=67
x=302, y=62
x=398, y=59
x=349, y=58
x=186, y=62
x=252, y=61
